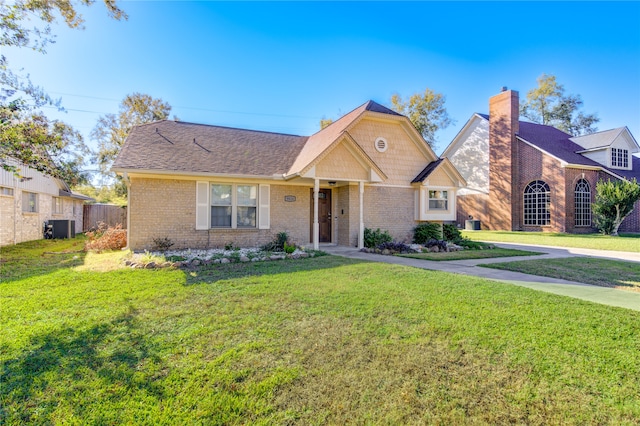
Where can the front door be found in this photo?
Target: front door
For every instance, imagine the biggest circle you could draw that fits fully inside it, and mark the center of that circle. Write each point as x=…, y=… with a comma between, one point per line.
x=324, y=215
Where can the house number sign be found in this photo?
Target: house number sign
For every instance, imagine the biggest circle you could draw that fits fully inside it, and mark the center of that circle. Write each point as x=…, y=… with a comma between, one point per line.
x=289, y=198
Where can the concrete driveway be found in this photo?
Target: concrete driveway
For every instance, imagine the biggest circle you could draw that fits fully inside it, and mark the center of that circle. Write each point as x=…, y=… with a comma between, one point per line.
x=603, y=295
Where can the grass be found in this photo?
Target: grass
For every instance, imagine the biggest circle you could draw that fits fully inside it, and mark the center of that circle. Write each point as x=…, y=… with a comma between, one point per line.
x=470, y=254
x=625, y=242
x=324, y=340
x=602, y=272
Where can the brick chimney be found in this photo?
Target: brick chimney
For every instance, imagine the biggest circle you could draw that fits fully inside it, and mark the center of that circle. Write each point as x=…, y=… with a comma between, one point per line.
x=503, y=127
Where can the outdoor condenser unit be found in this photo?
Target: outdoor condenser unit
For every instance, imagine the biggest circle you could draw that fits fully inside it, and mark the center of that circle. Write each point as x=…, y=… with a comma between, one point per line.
x=63, y=228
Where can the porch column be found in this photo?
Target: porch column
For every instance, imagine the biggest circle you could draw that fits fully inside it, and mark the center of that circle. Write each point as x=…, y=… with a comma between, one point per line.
x=316, y=224
x=361, y=229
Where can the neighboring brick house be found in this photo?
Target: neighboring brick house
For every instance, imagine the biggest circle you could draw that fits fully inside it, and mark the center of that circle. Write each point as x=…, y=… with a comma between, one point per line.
x=28, y=201
x=523, y=176
x=207, y=186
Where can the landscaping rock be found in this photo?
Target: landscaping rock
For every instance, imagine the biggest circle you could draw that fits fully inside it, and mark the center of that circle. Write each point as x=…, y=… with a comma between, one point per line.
x=195, y=262
x=244, y=259
x=225, y=260
x=150, y=265
x=276, y=257
x=386, y=252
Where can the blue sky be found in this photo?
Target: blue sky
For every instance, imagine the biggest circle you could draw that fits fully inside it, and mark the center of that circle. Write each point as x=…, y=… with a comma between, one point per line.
x=283, y=66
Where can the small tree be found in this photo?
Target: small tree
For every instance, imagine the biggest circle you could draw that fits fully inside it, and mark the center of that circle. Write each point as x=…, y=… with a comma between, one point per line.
x=614, y=202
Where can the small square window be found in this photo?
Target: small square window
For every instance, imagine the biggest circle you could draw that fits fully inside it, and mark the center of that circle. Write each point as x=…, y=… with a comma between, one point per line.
x=6, y=191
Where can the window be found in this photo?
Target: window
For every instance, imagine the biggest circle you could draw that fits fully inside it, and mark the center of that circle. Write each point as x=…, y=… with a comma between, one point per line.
x=6, y=191
x=29, y=202
x=438, y=200
x=233, y=206
x=247, y=196
x=221, y=206
x=619, y=158
x=537, y=198
x=57, y=205
x=583, y=203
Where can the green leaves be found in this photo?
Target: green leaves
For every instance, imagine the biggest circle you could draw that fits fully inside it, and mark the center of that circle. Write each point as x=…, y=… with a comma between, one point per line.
x=614, y=202
x=548, y=104
x=427, y=113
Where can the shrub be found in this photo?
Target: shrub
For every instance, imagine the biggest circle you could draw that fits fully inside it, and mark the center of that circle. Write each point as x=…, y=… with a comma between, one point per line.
x=373, y=238
x=289, y=248
x=278, y=243
x=103, y=238
x=441, y=244
x=162, y=244
x=395, y=247
x=451, y=233
x=427, y=231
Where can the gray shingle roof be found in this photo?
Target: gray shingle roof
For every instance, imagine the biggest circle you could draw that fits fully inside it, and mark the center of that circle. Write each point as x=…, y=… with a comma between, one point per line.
x=559, y=144
x=196, y=148
x=174, y=146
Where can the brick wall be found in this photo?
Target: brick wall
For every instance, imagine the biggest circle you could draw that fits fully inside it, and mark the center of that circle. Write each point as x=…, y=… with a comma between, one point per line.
x=391, y=209
x=166, y=208
x=503, y=126
x=475, y=205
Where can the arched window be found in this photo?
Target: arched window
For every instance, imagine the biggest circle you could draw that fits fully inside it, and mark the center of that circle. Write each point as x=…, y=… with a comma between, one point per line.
x=536, y=204
x=583, y=203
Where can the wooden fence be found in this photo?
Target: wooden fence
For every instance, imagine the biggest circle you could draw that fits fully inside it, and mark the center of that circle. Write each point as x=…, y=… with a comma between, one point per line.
x=111, y=215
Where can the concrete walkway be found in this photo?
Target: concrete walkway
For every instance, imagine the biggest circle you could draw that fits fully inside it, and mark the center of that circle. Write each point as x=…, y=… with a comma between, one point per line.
x=603, y=295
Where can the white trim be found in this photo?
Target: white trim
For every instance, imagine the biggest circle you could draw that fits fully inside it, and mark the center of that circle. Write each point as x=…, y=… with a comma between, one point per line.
x=264, y=207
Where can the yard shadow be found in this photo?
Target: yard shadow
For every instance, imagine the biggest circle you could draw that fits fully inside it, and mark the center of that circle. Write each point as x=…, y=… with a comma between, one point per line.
x=107, y=353
x=217, y=272
x=40, y=257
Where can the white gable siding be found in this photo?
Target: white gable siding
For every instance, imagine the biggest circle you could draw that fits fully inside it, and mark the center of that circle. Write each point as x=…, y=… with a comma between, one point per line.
x=470, y=155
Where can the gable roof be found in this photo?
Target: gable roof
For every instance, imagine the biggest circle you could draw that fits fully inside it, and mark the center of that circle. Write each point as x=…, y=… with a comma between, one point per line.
x=562, y=146
x=323, y=139
x=174, y=146
x=434, y=165
x=601, y=139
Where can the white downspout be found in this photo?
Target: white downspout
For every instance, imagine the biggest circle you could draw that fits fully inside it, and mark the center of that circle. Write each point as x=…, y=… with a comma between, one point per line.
x=316, y=224
x=361, y=229
x=127, y=181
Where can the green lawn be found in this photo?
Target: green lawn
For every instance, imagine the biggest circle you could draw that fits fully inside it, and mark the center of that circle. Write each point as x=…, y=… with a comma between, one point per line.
x=602, y=272
x=470, y=254
x=323, y=340
x=625, y=242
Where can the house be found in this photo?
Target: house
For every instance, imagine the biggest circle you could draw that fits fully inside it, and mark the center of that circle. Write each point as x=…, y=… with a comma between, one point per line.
x=28, y=201
x=523, y=176
x=207, y=186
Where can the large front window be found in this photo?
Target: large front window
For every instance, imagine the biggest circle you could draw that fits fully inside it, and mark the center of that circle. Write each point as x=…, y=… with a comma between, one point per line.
x=233, y=206
x=619, y=157
x=583, y=203
x=438, y=200
x=537, y=198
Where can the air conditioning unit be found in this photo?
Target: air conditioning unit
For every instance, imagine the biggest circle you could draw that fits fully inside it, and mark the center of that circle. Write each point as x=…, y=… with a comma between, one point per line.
x=63, y=228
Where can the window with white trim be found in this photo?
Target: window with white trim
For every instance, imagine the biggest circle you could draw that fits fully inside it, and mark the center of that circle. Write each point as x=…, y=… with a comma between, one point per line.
x=231, y=205
x=6, y=191
x=438, y=200
x=537, y=200
x=583, y=203
x=57, y=205
x=620, y=158
x=29, y=202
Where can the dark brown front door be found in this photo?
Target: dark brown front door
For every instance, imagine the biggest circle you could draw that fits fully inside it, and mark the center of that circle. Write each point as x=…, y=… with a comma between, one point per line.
x=324, y=215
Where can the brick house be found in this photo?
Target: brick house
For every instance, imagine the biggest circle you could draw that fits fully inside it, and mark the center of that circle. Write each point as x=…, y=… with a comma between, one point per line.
x=34, y=198
x=207, y=186
x=523, y=176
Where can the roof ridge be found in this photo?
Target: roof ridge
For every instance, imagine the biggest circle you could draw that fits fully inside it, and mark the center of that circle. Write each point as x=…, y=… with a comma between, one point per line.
x=224, y=127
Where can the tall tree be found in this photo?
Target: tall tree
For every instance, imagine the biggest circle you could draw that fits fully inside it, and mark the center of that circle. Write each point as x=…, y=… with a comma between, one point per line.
x=51, y=147
x=549, y=104
x=614, y=202
x=426, y=111
x=20, y=98
x=112, y=129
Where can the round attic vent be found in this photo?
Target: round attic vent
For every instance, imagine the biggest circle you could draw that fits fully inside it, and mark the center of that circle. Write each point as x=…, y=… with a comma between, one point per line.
x=381, y=144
